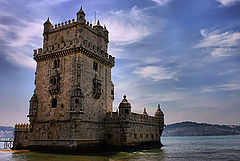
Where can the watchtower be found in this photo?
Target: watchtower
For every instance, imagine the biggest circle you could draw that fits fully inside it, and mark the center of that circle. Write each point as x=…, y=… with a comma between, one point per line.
x=73, y=76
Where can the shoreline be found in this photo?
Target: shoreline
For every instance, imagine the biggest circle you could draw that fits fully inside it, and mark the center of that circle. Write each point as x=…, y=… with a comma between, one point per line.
x=13, y=151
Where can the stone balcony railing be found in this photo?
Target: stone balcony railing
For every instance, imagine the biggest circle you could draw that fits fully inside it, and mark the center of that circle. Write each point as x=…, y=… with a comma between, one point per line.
x=73, y=44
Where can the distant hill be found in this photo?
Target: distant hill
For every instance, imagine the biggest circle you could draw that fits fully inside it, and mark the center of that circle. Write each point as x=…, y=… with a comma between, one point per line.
x=200, y=129
x=6, y=131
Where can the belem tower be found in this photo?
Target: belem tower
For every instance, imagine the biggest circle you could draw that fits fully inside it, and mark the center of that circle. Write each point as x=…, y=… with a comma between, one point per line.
x=71, y=108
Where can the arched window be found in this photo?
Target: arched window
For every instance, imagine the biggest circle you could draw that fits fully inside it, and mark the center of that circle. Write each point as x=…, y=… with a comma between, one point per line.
x=54, y=103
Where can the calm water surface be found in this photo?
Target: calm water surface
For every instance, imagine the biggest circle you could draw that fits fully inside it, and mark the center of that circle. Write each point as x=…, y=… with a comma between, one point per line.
x=197, y=148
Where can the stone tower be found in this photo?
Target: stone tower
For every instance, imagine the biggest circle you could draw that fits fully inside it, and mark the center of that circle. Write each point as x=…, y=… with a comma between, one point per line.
x=74, y=58
x=73, y=81
x=71, y=108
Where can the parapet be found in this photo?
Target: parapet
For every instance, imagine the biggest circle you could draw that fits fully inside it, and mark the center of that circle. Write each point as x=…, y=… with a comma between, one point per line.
x=135, y=118
x=23, y=127
x=63, y=25
x=144, y=118
x=97, y=29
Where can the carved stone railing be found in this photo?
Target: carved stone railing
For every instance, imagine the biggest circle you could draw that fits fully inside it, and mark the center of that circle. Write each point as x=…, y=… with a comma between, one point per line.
x=73, y=44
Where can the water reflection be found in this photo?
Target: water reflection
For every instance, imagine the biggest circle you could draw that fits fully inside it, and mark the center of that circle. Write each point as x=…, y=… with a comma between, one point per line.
x=152, y=154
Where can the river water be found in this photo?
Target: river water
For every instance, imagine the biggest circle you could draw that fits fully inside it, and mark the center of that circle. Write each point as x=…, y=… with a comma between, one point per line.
x=190, y=148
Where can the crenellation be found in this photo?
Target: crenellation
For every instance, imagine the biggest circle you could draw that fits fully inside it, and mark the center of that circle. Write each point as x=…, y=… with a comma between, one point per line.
x=23, y=127
x=137, y=118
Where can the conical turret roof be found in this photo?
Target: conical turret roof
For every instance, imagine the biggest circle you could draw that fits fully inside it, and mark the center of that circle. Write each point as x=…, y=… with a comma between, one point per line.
x=80, y=11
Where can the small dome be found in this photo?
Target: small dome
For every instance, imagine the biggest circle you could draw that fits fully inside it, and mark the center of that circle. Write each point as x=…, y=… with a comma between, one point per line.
x=159, y=112
x=124, y=103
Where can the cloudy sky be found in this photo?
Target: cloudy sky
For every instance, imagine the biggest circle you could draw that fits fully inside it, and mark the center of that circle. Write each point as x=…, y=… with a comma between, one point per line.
x=183, y=54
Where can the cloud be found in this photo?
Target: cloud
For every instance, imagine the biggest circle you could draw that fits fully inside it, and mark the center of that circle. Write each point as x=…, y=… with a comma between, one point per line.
x=217, y=39
x=151, y=60
x=228, y=72
x=129, y=26
x=219, y=44
x=155, y=73
x=161, y=2
x=46, y=2
x=166, y=97
x=228, y=3
x=20, y=34
x=230, y=86
x=26, y=32
x=139, y=97
x=206, y=90
x=20, y=39
x=218, y=52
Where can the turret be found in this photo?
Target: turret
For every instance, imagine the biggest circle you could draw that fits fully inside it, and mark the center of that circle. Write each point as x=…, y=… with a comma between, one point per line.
x=124, y=109
x=105, y=31
x=81, y=16
x=47, y=26
x=33, y=109
x=159, y=114
x=99, y=28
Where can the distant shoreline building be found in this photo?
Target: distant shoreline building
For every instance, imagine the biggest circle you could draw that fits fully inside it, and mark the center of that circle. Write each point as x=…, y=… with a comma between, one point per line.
x=71, y=108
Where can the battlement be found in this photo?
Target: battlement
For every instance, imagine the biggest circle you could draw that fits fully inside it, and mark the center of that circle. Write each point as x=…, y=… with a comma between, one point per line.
x=139, y=118
x=74, y=35
x=23, y=127
x=96, y=29
x=63, y=25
